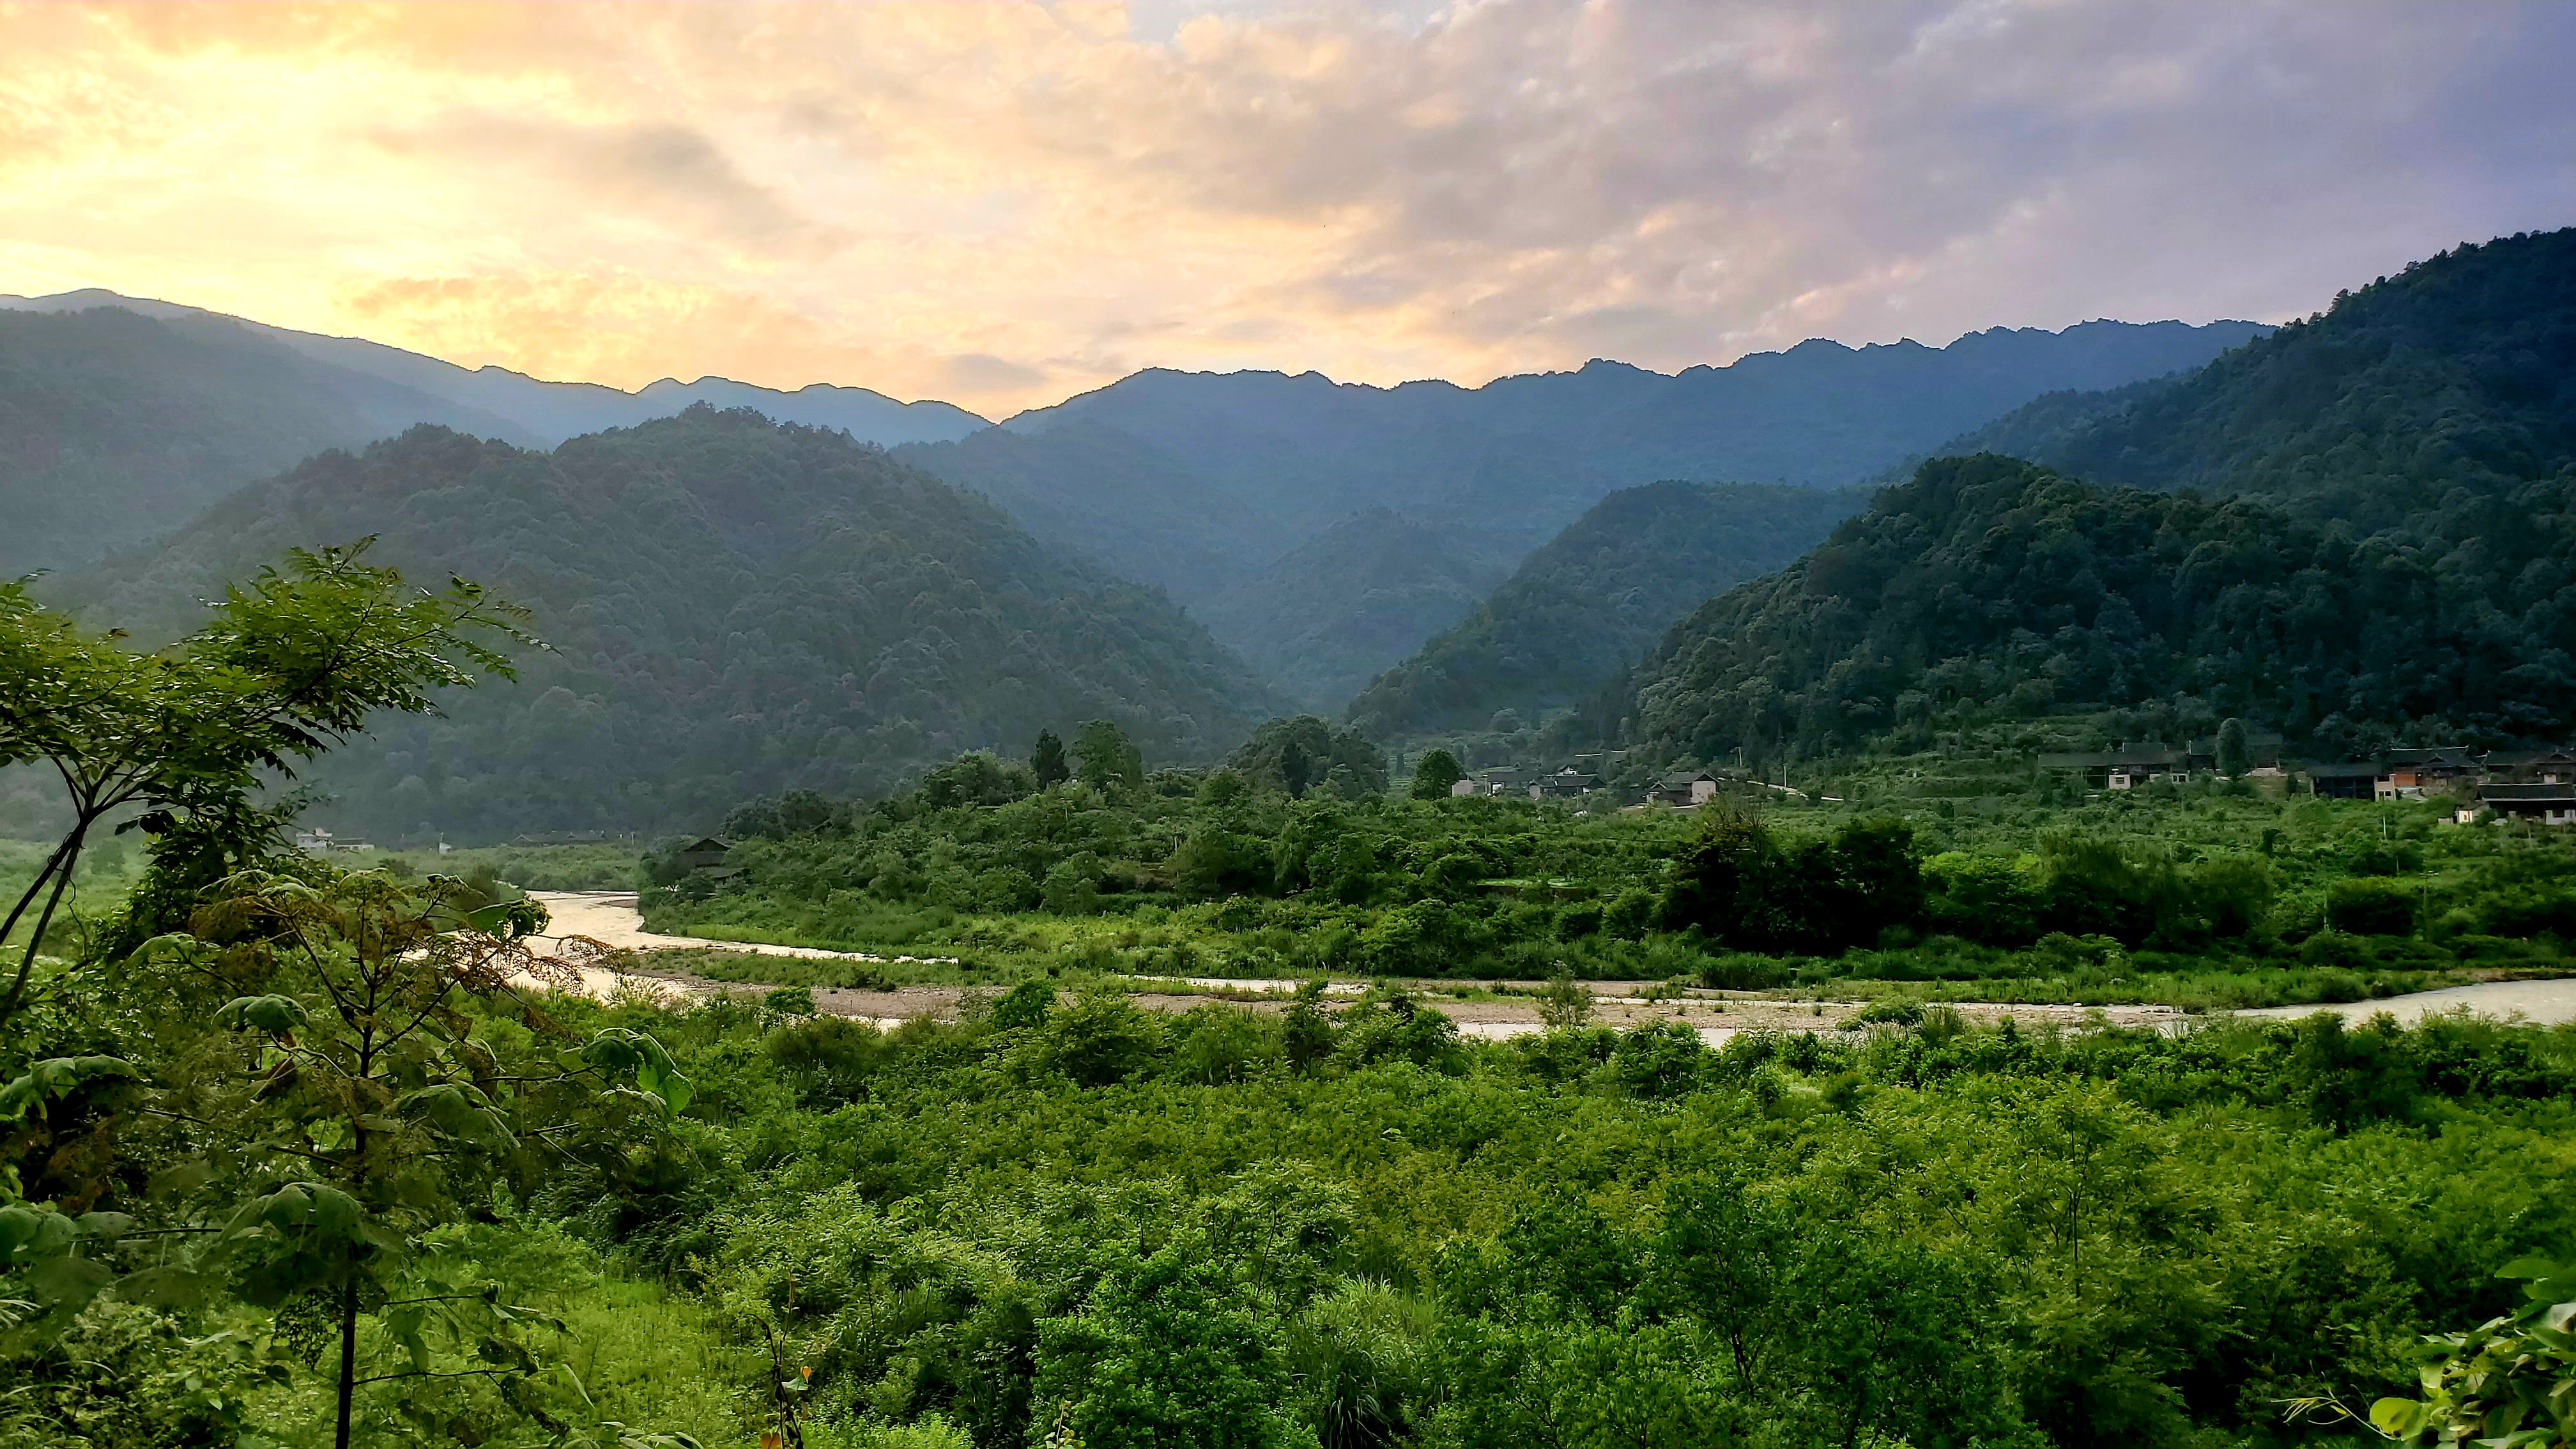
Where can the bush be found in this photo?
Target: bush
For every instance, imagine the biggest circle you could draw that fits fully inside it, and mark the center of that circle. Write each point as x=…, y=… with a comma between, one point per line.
x=2372, y=907
x=1025, y=1005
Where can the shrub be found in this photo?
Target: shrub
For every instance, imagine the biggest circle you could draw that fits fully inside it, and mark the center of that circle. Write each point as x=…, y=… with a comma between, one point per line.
x=2372, y=907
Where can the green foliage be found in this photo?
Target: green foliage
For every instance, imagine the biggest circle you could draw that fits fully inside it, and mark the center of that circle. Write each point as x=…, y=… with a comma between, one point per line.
x=2510, y=1381
x=179, y=740
x=1988, y=590
x=1046, y=761
x=2235, y=755
x=1742, y=889
x=1288, y=755
x=1106, y=759
x=1434, y=774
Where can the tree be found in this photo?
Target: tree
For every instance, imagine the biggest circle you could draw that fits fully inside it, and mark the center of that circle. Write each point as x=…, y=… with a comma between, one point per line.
x=369, y=1112
x=1437, y=772
x=287, y=668
x=1104, y=757
x=2235, y=757
x=1292, y=769
x=1047, y=760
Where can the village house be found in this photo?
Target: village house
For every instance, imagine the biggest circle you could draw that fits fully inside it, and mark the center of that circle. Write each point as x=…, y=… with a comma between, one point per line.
x=2540, y=804
x=705, y=859
x=1500, y=780
x=1684, y=790
x=1563, y=784
x=2412, y=774
x=2529, y=767
x=2342, y=782
x=2123, y=769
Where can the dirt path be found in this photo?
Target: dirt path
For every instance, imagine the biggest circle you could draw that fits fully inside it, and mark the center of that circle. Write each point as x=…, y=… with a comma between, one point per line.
x=610, y=918
x=2549, y=1003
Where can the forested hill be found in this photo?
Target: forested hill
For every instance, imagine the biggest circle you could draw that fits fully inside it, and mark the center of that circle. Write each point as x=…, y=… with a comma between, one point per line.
x=2458, y=373
x=1989, y=589
x=1595, y=598
x=114, y=428
x=735, y=607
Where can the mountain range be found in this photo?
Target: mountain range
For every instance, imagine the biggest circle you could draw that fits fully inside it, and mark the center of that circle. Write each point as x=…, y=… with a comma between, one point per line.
x=1259, y=501
x=120, y=416
x=2358, y=531
x=2352, y=530
x=1209, y=485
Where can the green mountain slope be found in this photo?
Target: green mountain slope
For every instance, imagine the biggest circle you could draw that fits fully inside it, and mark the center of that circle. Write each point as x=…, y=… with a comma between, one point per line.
x=2394, y=558
x=1989, y=589
x=1325, y=618
x=2457, y=373
x=734, y=607
x=114, y=427
x=1596, y=598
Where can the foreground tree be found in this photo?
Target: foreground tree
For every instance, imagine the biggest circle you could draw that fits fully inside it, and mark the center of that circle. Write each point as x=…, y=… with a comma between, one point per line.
x=288, y=667
x=367, y=1112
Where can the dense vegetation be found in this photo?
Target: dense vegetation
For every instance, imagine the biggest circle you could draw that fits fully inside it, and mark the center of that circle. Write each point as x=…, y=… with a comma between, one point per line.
x=292, y=1155
x=1067, y=1219
x=1595, y=599
x=1989, y=589
x=2439, y=403
x=733, y=606
x=2199, y=897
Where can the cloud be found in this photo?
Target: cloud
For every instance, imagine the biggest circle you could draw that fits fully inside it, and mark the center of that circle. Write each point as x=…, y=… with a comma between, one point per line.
x=980, y=374
x=667, y=174
x=1004, y=203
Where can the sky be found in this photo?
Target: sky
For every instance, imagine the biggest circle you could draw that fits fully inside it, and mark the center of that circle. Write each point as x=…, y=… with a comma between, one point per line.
x=1005, y=204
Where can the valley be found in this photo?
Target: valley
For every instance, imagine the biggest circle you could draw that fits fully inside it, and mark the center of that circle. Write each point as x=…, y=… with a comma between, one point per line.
x=2013, y=894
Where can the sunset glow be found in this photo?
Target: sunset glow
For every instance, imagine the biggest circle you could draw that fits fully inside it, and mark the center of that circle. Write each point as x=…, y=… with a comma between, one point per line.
x=1002, y=204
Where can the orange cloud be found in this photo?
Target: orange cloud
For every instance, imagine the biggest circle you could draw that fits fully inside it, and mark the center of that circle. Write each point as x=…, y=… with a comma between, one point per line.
x=1002, y=203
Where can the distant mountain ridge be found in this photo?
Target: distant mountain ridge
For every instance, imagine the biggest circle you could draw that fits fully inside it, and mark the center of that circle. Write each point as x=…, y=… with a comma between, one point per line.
x=1308, y=451
x=1210, y=484
x=734, y=606
x=541, y=413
